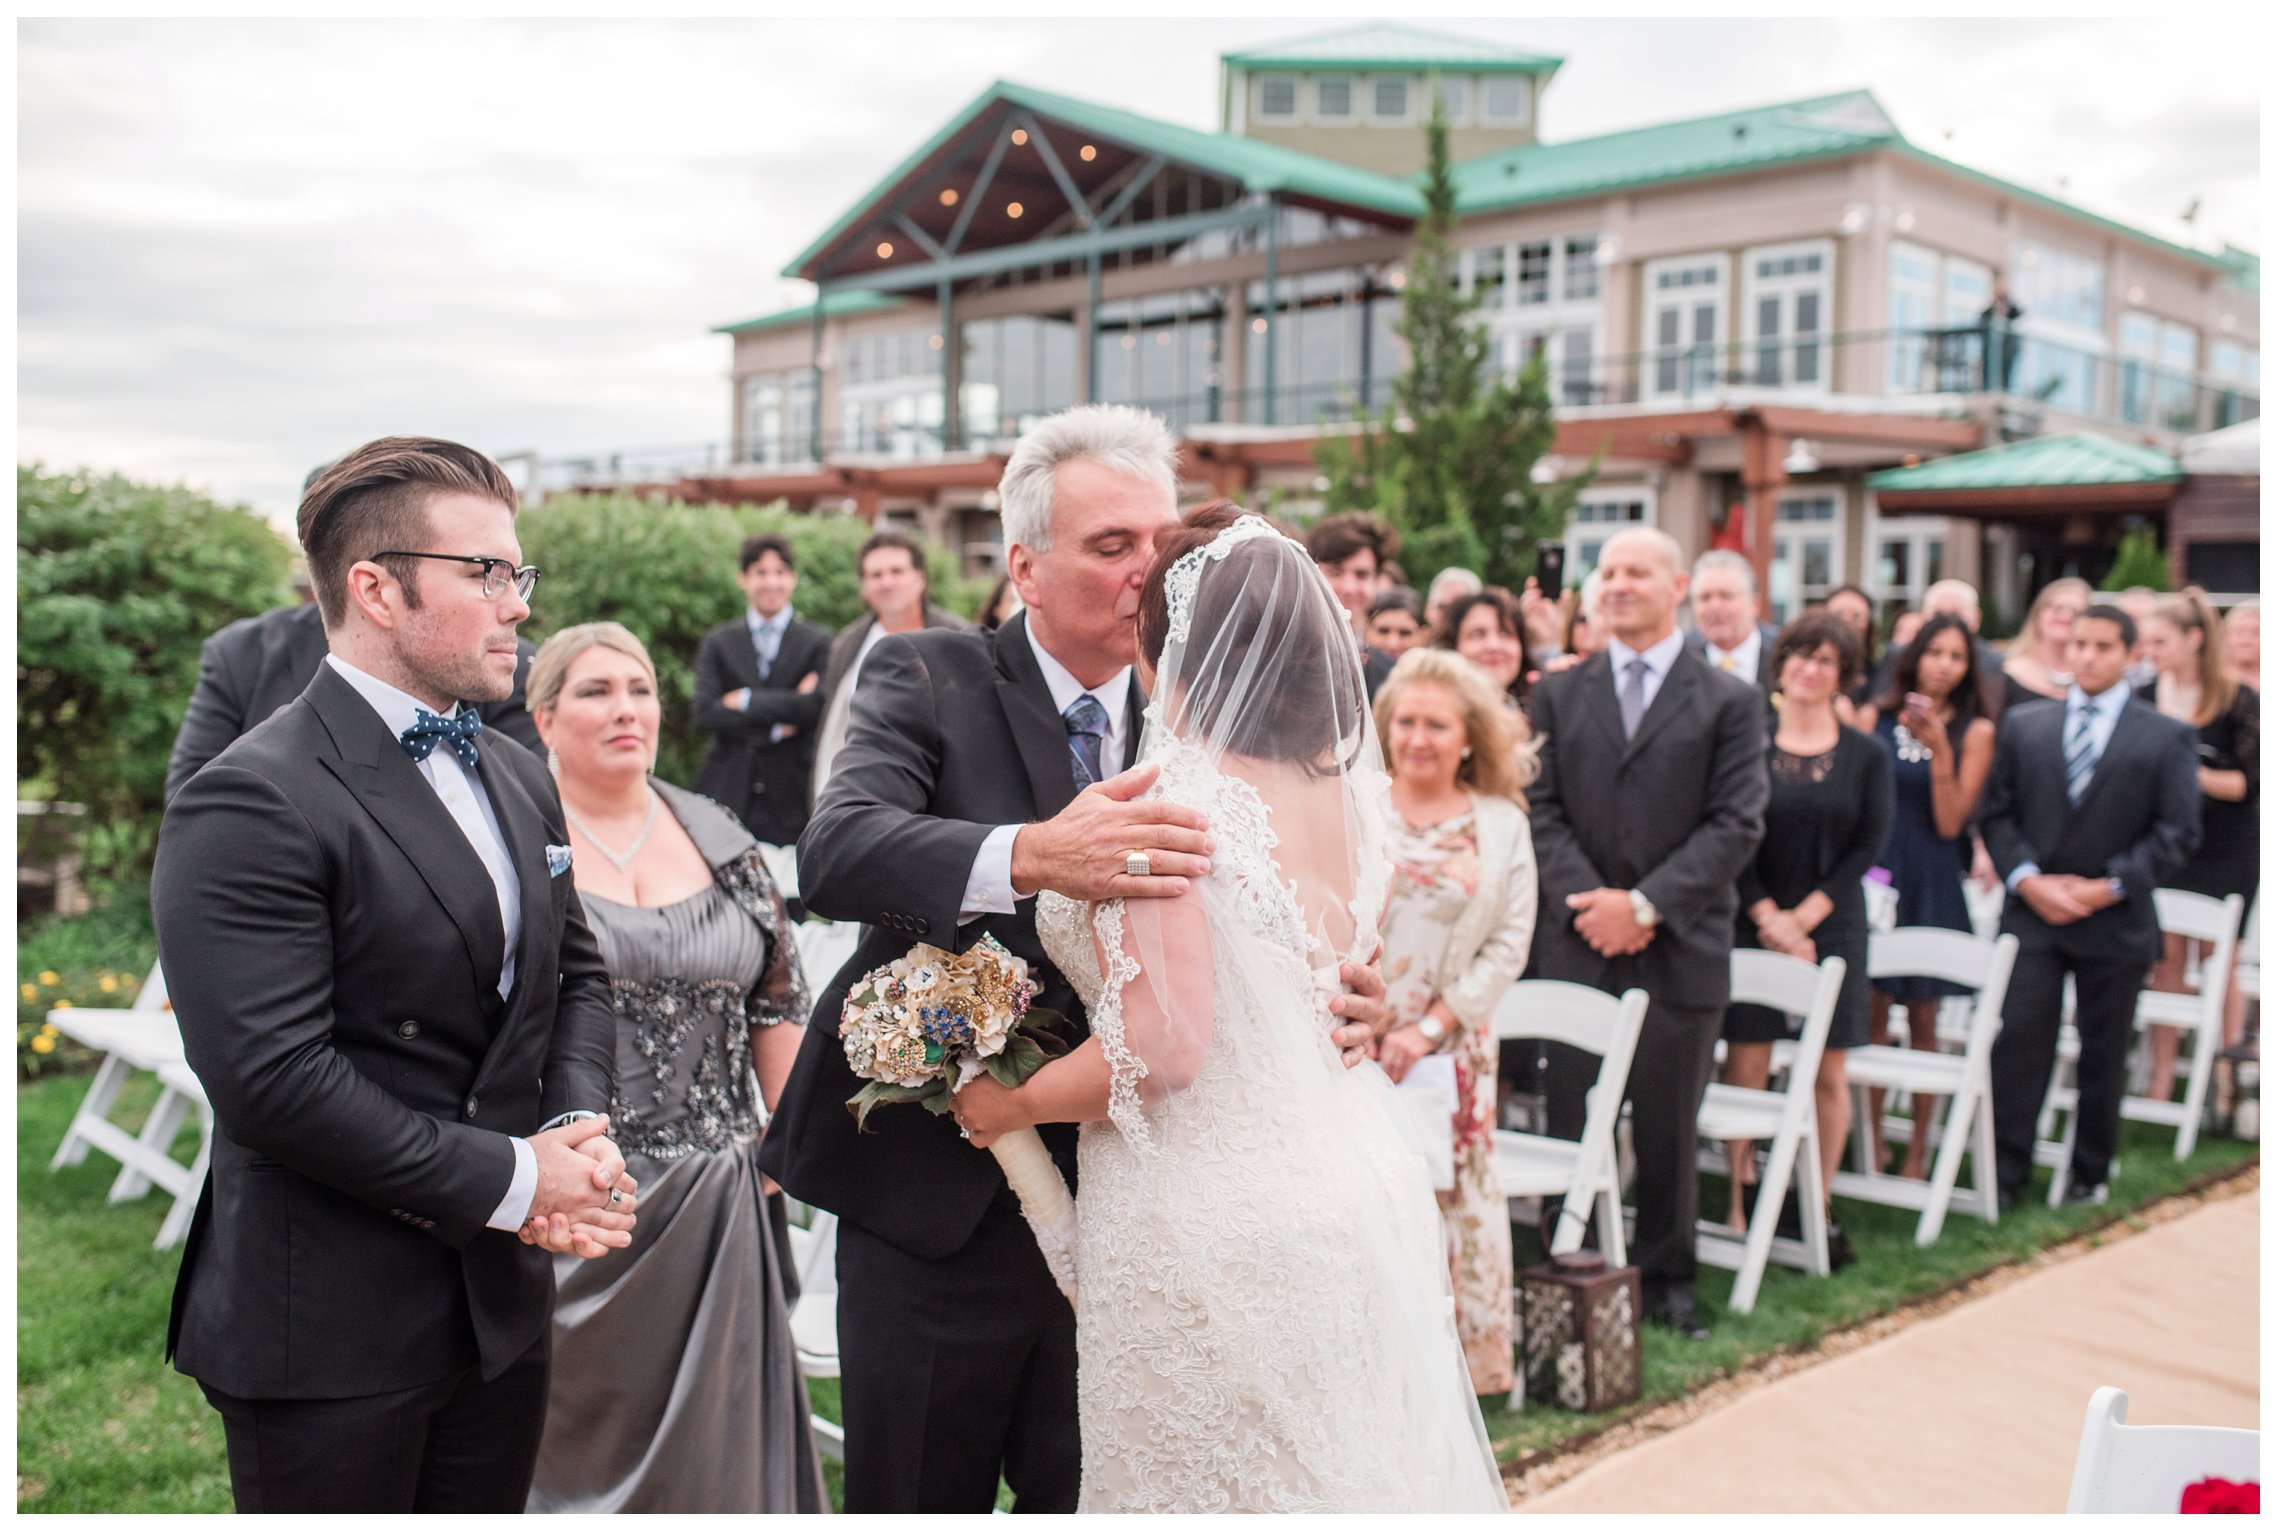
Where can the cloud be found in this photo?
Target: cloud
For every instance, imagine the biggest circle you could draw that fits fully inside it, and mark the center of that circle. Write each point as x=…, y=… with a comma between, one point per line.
x=246, y=245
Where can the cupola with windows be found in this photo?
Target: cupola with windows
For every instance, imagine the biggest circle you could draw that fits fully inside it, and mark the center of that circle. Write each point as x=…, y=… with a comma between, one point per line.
x=1359, y=95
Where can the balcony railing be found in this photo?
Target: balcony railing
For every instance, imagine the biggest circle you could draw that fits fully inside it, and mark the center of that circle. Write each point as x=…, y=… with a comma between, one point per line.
x=2034, y=375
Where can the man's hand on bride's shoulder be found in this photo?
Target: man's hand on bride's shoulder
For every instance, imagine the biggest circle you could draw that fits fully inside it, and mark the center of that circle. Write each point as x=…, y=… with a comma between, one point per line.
x=1361, y=1014
x=1084, y=851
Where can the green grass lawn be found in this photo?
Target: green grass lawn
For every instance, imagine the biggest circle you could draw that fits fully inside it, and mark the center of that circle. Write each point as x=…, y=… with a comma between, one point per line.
x=103, y=1424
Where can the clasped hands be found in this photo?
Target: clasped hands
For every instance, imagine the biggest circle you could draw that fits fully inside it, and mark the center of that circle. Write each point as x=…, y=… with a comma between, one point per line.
x=1608, y=922
x=2061, y=899
x=584, y=1203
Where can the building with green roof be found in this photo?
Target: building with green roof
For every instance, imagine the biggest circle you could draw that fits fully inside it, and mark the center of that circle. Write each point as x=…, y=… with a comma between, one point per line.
x=1750, y=313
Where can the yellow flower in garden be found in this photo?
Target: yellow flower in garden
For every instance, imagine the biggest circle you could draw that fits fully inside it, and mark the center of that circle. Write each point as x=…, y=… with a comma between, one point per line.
x=107, y=984
x=51, y=977
x=43, y=1044
x=30, y=991
x=63, y=1004
x=48, y=1030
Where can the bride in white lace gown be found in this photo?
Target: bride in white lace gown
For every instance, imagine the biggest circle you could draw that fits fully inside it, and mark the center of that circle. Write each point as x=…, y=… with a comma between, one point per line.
x=1264, y=1319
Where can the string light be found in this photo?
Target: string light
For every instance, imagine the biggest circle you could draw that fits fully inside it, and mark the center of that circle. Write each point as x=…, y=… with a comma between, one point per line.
x=1013, y=209
x=1019, y=135
x=1088, y=152
x=885, y=249
x=948, y=196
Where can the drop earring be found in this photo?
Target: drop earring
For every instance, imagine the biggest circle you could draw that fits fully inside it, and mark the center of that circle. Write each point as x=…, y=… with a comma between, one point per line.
x=553, y=762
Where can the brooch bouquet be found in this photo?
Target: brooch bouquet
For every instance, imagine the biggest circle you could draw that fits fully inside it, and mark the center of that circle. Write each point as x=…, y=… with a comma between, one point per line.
x=924, y=1025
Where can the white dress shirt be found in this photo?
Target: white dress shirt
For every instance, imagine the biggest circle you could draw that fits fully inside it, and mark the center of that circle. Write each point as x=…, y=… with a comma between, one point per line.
x=1746, y=659
x=1658, y=659
x=2103, y=716
x=468, y=801
x=988, y=889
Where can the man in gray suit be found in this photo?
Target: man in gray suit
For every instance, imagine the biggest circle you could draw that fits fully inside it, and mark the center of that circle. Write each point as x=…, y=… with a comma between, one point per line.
x=1649, y=804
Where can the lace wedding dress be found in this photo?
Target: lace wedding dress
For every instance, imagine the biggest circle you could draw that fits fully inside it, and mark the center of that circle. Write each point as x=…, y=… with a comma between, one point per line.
x=1264, y=1320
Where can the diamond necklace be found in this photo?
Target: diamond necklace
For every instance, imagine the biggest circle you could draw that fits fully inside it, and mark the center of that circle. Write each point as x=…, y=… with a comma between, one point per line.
x=621, y=863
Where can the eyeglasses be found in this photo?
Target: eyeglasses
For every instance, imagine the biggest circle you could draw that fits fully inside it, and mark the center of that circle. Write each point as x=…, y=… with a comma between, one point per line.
x=497, y=573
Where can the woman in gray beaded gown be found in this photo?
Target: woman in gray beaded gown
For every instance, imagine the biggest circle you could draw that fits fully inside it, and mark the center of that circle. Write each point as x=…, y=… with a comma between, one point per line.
x=675, y=1382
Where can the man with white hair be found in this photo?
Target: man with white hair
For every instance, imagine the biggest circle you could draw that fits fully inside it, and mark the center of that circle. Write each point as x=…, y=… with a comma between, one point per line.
x=1727, y=613
x=1448, y=587
x=979, y=769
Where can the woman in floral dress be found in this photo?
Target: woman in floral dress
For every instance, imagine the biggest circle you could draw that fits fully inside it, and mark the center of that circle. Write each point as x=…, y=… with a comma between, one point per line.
x=1456, y=933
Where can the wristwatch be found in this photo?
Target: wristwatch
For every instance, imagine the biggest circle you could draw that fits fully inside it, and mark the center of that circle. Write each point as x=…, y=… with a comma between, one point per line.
x=1642, y=908
x=1434, y=1030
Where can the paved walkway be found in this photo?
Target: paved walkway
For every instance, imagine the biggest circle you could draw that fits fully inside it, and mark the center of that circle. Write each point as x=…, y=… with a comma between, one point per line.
x=1977, y=1409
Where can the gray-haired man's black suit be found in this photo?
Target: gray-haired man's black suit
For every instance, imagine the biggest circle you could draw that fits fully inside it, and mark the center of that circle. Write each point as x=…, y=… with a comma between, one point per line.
x=1674, y=812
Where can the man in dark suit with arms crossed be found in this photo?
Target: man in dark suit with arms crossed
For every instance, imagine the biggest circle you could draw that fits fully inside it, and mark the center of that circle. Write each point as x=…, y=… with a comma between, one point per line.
x=980, y=768
x=758, y=694
x=388, y=990
x=2092, y=803
x=1649, y=804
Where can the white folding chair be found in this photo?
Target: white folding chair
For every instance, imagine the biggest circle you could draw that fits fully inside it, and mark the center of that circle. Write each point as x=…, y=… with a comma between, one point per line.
x=2213, y=922
x=1787, y=1119
x=1917, y=951
x=188, y=1096
x=2125, y=1469
x=1587, y=1173
x=2249, y=955
x=824, y=946
x=783, y=866
x=814, y=1319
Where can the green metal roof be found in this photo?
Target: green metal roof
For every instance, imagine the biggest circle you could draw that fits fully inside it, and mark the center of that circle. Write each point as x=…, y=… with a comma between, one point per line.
x=836, y=305
x=1383, y=45
x=1258, y=166
x=2046, y=462
x=2244, y=268
x=1675, y=151
x=2057, y=204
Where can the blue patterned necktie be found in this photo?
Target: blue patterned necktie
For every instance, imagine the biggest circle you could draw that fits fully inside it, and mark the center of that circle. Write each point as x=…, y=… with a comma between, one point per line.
x=769, y=642
x=2079, y=751
x=1632, y=698
x=1086, y=724
x=428, y=730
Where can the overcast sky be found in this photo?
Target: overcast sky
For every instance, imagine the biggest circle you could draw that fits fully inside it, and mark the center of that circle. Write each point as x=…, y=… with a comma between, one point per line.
x=245, y=246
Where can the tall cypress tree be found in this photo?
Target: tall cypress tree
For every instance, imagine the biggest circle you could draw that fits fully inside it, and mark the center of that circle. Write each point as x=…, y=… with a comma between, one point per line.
x=1450, y=460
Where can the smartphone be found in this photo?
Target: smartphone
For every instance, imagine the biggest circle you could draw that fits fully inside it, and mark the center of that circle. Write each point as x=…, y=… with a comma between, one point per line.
x=1918, y=705
x=1549, y=568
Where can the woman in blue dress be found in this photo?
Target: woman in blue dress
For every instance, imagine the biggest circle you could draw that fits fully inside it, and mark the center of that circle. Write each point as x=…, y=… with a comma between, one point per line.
x=1932, y=721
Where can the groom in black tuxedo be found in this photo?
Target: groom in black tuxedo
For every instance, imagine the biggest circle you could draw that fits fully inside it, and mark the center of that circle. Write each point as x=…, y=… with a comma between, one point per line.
x=389, y=992
x=980, y=768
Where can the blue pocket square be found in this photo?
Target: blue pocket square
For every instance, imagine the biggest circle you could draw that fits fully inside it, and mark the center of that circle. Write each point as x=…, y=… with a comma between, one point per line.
x=557, y=860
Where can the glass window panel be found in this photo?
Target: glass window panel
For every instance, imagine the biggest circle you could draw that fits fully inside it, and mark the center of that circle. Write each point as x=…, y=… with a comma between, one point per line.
x=1277, y=96
x=1390, y=95
x=1332, y=98
x=1967, y=291
x=1455, y=95
x=1506, y=100
x=1533, y=273
x=1581, y=268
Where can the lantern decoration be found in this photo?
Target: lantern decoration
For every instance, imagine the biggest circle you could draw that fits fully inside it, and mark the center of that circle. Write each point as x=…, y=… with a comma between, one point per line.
x=1580, y=1324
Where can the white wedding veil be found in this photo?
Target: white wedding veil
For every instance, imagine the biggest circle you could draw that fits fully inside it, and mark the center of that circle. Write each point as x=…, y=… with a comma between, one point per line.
x=1213, y=1020
x=1256, y=682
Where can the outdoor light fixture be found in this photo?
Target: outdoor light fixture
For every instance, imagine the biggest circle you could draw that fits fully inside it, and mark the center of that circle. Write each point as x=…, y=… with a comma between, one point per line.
x=885, y=249
x=2135, y=294
x=1853, y=218
x=948, y=196
x=1162, y=337
x=1544, y=471
x=1013, y=209
x=1579, y=1329
x=1905, y=220
x=1019, y=135
x=1258, y=324
x=934, y=342
x=1130, y=342
x=1608, y=250
x=1801, y=457
x=1087, y=152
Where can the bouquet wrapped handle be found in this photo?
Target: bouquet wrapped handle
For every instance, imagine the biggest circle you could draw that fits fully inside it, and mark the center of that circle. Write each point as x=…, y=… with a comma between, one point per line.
x=1044, y=1200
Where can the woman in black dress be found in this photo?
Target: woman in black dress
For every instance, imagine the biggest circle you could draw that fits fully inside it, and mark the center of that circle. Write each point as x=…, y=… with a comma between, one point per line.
x=1803, y=894
x=2194, y=684
x=1932, y=725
